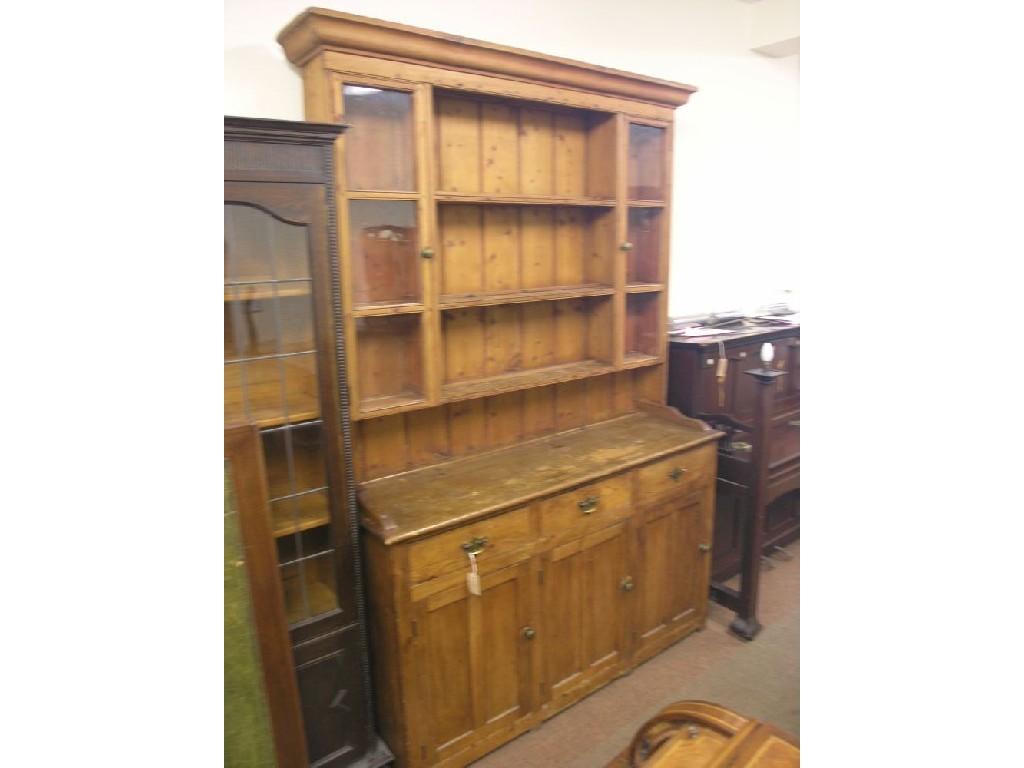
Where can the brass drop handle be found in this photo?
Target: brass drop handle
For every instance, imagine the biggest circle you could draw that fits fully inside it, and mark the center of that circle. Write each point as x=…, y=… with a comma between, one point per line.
x=474, y=546
x=676, y=473
x=427, y=253
x=626, y=246
x=626, y=585
x=529, y=633
x=588, y=504
x=704, y=547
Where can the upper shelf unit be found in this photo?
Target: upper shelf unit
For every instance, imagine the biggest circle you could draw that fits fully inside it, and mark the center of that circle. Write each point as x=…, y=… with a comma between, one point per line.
x=520, y=152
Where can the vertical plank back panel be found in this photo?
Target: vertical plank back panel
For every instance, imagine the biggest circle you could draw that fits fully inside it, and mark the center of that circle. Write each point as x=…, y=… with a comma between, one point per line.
x=458, y=144
x=537, y=242
x=462, y=249
x=501, y=248
x=536, y=152
x=500, y=142
x=570, y=147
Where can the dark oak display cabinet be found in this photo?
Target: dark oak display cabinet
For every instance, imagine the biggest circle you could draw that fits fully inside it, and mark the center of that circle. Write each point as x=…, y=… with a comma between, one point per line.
x=695, y=389
x=286, y=432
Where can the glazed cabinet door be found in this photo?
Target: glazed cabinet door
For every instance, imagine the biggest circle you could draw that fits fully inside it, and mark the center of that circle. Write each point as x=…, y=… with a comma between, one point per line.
x=673, y=559
x=585, y=589
x=474, y=662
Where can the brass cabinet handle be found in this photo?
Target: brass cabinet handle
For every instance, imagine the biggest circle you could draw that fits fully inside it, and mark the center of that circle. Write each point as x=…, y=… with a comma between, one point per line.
x=627, y=246
x=676, y=473
x=588, y=504
x=529, y=633
x=626, y=585
x=704, y=547
x=427, y=253
x=474, y=546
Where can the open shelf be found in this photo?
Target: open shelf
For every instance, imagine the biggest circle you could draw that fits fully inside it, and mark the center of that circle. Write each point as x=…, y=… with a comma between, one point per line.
x=509, y=149
x=272, y=391
x=385, y=308
x=490, y=249
x=262, y=291
x=647, y=203
x=535, y=377
x=300, y=513
x=456, y=197
x=644, y=287
x=557, y=293
x=639, y=360
x=382, y=406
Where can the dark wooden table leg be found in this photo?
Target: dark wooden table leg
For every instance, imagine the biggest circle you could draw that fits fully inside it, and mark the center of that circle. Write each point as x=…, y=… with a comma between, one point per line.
x=746, y=624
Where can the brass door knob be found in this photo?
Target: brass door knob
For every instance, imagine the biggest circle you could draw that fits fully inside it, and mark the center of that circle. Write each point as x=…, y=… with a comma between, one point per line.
x=529, y=633
x=626, y=585
x=704, y=547
x=427, y=253
x=676, y=473
x=627, y=246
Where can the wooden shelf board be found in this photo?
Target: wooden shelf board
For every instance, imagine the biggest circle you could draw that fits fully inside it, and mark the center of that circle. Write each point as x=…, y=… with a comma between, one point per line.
x=459, y=197
x=639, y=360
x=371, y=194
x=535, y=377
x=265, y=291
x=380, y=308
x=555, y=293
x=384, y=406
x=311, y=513
x=263, y=416
x=646, y=203
x=644, y=287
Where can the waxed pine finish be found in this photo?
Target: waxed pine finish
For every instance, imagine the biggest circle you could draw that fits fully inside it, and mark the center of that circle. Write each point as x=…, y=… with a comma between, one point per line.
x=504, y=262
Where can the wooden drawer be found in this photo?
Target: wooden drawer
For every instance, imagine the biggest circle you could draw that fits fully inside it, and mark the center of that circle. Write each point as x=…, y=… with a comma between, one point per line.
x=443, y=553
x=587, y=508
x=677, y=474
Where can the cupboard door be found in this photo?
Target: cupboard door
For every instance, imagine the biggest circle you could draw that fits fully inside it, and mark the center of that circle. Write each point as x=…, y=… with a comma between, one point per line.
x=475, y=658
x=672, y=564
x=584, y=598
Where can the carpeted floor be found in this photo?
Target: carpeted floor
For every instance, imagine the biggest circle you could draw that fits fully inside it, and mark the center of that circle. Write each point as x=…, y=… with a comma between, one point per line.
x=760, y=679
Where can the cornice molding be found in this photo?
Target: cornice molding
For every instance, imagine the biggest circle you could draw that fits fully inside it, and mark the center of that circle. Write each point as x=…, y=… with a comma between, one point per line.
x=318, y=29
x=281, y=131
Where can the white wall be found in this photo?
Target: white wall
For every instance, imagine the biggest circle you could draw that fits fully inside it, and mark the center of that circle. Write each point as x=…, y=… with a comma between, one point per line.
x=734, y=241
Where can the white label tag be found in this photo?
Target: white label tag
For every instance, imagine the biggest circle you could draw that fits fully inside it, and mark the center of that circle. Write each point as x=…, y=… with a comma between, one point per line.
x=473, y=578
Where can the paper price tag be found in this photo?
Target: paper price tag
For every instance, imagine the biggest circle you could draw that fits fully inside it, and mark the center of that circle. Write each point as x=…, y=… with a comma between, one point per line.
x=473, y=577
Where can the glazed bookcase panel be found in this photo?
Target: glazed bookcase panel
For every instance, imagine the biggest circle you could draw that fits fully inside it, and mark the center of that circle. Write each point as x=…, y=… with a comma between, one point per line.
x=281, y=354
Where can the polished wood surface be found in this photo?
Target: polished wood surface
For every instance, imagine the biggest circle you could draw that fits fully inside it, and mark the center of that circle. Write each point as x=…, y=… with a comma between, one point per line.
x=699, y=734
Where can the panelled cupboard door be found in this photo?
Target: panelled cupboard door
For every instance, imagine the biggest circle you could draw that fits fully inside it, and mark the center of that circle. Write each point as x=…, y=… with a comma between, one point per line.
x=584, y=596
x=672, y=562
x=475, y=661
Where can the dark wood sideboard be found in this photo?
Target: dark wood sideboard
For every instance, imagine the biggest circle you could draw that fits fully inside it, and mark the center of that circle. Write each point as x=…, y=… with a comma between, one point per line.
x=694, y=388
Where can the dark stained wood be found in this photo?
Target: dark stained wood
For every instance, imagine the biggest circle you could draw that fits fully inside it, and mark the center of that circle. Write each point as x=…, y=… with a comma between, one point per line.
x=693, y=389
x=285, y=170
x=243, y=450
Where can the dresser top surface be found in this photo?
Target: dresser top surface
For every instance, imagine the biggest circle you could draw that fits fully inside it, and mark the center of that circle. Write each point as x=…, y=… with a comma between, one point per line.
x=429, y=500
x=744, y=335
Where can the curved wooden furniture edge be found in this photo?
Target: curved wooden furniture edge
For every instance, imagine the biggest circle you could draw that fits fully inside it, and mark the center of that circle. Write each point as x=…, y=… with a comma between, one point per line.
x=318, y=29
x=675, y=415
x=697, y=711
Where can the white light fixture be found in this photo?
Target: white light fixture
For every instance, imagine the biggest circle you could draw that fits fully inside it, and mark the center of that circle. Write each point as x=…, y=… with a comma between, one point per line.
x=767, y=354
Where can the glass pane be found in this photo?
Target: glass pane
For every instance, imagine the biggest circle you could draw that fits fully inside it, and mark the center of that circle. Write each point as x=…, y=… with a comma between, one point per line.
x=299, y=513
x=255, y=325
x=294, y=459
x=383, y=241
x=642, y=325
x=379, y=142
x=645, y=235
x=389, y=359
x=307, y=574
x=646, y=162
x=258, y=247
